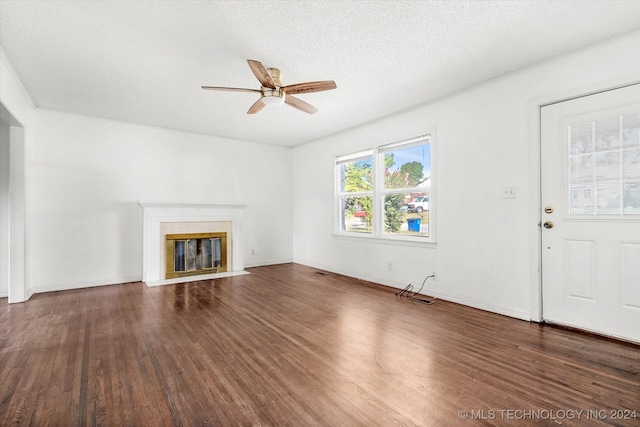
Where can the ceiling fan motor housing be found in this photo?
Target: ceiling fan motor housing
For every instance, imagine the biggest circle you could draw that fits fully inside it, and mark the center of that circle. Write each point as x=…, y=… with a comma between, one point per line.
x=273, y=96
x=276, y=74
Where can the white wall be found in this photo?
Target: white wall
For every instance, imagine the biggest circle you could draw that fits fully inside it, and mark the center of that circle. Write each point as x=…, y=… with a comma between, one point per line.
x=88, y=174
x=487, y=247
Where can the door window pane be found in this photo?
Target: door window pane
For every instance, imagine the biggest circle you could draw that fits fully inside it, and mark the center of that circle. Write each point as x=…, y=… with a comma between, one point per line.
x=631, y=163
x=608, y=166
x=607, y=133
x=608, y=200
x=582, y=202
x=631, y=130
x=581, y=139
x=581, y=169
x=632, y=198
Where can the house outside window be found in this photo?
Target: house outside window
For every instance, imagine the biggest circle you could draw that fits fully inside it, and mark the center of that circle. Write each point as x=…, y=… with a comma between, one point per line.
x=387, y=191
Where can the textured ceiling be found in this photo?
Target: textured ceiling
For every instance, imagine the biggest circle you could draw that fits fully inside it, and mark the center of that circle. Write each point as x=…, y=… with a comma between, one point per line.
x=144, y=61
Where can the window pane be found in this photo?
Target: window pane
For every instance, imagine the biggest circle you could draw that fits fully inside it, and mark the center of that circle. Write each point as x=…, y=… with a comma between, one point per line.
x=580, y=140
x=581, y=169
x=408, y=167
x=582, y=202
x=631, y=130
x=608, y=134
x=357, y=175
x=631, y=163
x=418, y=202
x=356, y=214
x=407, y=214
x=608, y=166
x=632, y=198
x=608, y=199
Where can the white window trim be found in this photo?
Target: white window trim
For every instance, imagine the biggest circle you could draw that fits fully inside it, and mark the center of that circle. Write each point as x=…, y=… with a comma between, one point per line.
x=378, y=234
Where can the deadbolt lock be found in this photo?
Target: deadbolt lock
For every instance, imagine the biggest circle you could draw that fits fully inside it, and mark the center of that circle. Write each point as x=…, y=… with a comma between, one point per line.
x=548, y=209
x=548, y=224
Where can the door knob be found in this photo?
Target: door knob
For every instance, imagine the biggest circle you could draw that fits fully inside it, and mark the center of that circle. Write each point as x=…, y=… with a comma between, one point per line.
x=548, y=224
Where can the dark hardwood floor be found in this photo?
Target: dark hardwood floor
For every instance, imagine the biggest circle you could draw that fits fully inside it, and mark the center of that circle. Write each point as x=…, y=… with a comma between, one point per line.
x=290, y=345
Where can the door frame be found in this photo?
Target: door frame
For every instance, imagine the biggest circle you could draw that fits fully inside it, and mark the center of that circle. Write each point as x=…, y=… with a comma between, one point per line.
x=12, y=219
x=534, y=111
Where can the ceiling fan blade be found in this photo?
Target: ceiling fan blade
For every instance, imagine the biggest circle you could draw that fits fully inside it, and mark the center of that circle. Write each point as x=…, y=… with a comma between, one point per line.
x=230, y=89
x=257, y=106
x=299, y=104
x=261, y=73
x=309, y=87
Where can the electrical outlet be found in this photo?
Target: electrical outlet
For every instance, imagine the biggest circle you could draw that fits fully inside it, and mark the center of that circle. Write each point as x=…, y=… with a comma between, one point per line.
x=433, y=273
x=253, y=251
x=509, y=192
x=390, y=266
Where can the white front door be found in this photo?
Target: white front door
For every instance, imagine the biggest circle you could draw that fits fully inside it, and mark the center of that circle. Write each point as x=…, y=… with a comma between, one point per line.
x=590, y=175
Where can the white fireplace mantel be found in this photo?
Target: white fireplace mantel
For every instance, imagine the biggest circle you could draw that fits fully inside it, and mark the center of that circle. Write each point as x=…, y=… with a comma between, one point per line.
x=156, y=213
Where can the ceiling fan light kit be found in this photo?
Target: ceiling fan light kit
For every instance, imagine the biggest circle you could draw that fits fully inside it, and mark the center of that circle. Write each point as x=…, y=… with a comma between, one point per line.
x=272, y=92
x=273, y=96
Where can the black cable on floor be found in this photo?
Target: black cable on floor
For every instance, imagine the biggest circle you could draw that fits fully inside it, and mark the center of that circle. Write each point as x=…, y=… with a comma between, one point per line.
x=408, y=290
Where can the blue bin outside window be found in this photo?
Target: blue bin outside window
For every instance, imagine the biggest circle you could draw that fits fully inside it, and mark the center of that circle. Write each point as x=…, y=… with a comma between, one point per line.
x=414, y=224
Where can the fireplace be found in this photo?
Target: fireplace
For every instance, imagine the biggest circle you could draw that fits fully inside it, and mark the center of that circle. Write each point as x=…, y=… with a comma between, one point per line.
x=192, y=254
x=208, y=236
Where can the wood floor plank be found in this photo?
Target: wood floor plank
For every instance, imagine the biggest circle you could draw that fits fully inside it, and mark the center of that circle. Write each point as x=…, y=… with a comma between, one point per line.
x=290, y=345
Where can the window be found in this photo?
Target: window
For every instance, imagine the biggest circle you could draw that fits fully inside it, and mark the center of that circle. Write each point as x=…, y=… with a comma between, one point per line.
x=604, y=166
x=387, y=191
x=356, y=191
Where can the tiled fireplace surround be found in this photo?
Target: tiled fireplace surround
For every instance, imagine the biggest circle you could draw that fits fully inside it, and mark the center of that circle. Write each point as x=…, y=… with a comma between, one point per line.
x=160, y=219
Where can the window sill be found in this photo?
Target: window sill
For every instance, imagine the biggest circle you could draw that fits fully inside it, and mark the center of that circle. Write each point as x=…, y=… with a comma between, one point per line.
x=400, y=241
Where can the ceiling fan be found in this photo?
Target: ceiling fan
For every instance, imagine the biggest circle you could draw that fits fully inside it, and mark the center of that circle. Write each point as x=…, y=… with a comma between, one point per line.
x=272, y=92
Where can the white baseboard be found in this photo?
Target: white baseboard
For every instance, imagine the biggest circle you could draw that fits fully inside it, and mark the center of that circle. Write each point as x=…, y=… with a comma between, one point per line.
x=265, y=263
x=469, y=302
x=39, y=289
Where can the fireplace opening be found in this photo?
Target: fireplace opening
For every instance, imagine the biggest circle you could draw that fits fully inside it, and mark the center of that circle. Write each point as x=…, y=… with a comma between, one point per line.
x=195, y=253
